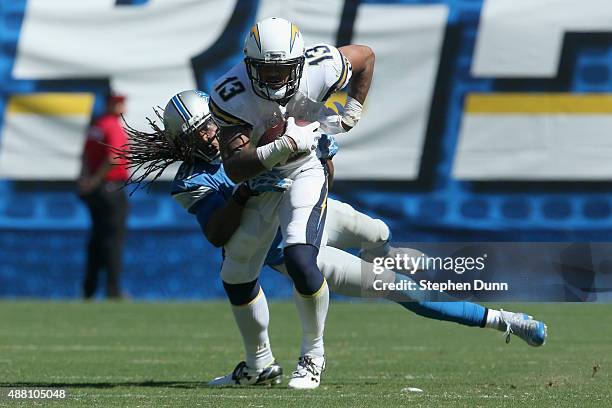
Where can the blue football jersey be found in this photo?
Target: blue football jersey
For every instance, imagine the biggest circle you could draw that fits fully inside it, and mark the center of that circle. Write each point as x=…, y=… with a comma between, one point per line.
x=193, y=183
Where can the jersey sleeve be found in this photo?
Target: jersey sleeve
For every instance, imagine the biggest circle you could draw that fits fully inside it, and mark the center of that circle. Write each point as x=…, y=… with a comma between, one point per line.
x=334, y=69
x=188, y=199
x=190, y=186
x=223, y=117
x=226, y=100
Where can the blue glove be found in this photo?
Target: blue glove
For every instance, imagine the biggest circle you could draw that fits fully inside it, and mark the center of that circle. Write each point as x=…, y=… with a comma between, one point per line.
x=328, y=147
x=269, y=182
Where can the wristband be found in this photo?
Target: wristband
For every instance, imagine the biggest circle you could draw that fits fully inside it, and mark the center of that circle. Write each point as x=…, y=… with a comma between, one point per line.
x=352, y=112
x=276, y=152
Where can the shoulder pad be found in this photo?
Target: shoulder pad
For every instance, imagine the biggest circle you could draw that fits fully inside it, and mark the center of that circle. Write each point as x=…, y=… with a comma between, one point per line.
x=226, y=105
x=335, y=69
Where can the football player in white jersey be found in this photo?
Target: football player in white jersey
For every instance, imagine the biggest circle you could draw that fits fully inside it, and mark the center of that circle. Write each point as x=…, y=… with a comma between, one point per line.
x=279, y=79
x=204, y=190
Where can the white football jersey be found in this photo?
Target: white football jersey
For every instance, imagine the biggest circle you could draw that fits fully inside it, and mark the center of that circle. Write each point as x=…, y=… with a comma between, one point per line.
x=233, y=101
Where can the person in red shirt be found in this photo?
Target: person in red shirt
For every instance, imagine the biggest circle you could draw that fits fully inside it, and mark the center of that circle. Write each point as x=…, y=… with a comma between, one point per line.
x=100, y=187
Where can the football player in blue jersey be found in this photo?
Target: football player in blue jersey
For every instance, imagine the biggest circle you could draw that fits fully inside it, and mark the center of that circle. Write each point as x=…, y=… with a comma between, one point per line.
x=203, y=189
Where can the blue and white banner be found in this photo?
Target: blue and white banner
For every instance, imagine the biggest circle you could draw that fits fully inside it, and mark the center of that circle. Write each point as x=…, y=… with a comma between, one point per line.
x=502, y=84
x=487, y=117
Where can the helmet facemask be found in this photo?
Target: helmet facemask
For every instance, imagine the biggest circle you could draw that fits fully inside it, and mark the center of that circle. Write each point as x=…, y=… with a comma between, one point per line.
x=202, y=140
x=275, y=79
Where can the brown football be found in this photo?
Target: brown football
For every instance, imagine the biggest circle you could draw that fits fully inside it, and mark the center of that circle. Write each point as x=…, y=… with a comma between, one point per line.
x=276, y=131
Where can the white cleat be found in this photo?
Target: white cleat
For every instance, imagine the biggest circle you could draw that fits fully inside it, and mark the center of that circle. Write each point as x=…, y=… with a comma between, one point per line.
x=243, y=375
x=307, y=374
x=524, y=326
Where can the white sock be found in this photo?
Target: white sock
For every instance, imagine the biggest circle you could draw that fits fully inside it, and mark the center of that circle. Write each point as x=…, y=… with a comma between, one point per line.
x=494, y=320
x=252, y=320
x=313, y=311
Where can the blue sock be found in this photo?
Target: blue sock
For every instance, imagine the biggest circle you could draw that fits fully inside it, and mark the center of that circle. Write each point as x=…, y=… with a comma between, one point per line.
x=432, y=304
x=466, y=313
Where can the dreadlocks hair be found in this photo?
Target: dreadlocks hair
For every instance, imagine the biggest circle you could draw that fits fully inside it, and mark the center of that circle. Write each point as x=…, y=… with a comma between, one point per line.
x=150, y=153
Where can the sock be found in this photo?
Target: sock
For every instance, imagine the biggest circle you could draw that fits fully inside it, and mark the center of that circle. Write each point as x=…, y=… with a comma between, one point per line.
x=465, y=313
x=494, y=320
x=431, y=304
x=252, y=320
x=313, y=311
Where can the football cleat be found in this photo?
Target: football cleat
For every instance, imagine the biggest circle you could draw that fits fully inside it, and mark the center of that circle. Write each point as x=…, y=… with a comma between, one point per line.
x=524, y=326
x=307, y=374
x=243, y=375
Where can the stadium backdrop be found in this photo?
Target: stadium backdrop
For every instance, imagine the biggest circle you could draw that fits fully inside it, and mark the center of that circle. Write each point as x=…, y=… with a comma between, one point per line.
x=487, y=120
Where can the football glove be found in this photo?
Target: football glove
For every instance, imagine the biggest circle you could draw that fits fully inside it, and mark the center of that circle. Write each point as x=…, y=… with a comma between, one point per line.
x=305, y=137
x=327, y=147
x=352, y=112
x=268, y=182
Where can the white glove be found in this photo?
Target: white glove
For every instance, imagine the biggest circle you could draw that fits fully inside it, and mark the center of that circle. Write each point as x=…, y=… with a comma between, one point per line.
x=352, y=112
x=330, y=122
x=306, y=138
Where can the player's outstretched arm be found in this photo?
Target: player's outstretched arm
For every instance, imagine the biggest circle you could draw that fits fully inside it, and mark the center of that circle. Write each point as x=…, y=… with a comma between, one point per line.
x=362, y=60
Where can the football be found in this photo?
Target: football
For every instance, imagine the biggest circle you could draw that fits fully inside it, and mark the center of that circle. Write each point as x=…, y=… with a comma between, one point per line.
x=276, y=131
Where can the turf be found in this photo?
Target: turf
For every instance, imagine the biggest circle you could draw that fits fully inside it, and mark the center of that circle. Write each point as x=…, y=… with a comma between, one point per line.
x=152, y=354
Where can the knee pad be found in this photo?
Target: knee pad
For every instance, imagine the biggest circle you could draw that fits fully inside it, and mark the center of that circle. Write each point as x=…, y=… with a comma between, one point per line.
x=301, y=262
x=241, y=293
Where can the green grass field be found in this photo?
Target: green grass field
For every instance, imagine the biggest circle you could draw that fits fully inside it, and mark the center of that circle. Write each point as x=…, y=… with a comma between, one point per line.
x=162, y=354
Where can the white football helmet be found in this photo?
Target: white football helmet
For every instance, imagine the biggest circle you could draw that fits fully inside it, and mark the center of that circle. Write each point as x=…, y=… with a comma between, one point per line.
x=274, y=58
x=184, y=116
